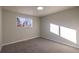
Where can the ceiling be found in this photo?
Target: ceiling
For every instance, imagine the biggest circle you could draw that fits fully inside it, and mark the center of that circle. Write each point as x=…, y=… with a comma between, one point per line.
x=31, y=10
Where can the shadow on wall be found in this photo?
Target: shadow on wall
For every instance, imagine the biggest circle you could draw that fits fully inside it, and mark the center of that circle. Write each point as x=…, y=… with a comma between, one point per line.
x=64, y=32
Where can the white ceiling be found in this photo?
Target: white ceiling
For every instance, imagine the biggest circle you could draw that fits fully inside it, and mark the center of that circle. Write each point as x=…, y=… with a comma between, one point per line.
x=31, y=10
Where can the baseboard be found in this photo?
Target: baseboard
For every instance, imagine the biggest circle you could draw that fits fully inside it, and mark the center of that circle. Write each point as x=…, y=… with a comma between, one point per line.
x=19, y=41
x=66, y=44
x=37, y=37
x=63, y=43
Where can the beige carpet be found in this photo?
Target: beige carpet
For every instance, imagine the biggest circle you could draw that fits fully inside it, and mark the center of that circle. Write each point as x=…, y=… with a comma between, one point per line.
x=38, y=45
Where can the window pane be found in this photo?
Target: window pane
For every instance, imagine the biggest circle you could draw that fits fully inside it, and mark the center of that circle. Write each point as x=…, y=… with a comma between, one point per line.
x=54, y=29
x=68, y=33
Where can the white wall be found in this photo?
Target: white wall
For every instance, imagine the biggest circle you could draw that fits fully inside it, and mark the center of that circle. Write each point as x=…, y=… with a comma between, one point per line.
x=13, y=34
x=68, y=18
x=0, y=27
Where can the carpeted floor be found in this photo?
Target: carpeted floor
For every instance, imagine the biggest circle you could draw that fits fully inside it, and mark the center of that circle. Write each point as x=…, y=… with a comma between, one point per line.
x=38, y=45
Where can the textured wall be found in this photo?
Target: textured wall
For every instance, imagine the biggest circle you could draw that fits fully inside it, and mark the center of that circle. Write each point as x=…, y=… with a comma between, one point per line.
x=11, y=33
x=67, y=18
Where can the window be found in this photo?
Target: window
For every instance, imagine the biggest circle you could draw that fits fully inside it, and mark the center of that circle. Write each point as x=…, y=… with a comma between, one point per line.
x=24, y=22
x=68, y=33
x=64, y=32
x=54, y=29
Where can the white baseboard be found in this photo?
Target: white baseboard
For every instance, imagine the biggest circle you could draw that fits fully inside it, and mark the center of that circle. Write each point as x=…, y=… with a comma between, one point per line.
x=37, y=37
x=19, y=41
x=74, y=46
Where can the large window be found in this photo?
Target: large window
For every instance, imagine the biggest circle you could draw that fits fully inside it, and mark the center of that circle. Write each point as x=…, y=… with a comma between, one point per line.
x=64, y=32
x=68, y=33
x=24, y=22
x=54, y=29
